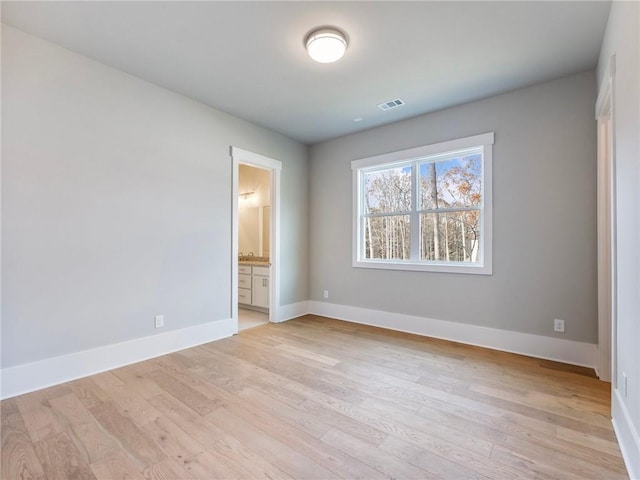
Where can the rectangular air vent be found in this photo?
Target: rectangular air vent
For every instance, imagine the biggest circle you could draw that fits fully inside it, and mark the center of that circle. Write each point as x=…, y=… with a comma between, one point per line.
x=390, y=104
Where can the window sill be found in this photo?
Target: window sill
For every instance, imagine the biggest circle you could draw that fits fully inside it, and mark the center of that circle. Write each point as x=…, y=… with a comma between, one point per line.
x=477, y=269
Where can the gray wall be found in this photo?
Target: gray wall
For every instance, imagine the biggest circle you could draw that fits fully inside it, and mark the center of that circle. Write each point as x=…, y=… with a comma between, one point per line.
x=622, y=38
x=544, y=215
x=116, y=204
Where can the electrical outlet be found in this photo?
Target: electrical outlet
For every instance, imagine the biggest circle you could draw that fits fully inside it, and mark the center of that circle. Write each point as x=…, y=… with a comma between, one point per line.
x=159, y=321
x=325, y=294
x=625, y=385
x=558, y=325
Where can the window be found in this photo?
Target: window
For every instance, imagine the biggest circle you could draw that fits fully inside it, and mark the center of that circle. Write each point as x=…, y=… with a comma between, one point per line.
x=427, y=208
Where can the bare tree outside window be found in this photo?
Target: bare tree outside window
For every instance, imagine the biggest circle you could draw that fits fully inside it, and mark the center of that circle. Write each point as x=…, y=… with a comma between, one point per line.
x=387, y=197
x=426, y=208
x=451, y=194
x=449, y=201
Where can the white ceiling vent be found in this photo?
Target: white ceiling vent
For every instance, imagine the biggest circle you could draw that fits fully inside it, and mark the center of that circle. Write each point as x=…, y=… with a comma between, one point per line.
x=390, y=104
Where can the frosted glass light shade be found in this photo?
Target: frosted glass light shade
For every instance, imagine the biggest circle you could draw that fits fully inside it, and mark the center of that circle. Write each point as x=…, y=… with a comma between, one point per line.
x=326, y=45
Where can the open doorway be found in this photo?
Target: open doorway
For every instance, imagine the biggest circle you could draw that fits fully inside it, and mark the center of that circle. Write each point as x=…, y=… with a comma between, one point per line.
x=254, y=259
x=255, y=239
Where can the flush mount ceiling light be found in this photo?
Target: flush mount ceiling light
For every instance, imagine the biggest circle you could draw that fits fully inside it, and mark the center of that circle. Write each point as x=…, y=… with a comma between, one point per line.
x=326, y=45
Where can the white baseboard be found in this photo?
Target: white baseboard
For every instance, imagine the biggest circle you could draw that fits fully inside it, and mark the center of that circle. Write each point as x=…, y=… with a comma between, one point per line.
x=549, y=348
x=29, y=377
x=33, y=376
x=628, y=437
x=293, y=310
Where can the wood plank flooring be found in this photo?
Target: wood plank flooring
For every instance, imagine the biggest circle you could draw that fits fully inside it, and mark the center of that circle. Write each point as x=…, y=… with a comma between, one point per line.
x=316, y=398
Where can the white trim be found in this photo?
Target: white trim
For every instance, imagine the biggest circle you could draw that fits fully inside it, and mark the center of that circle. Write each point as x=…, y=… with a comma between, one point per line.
x=448, y=149
x=426, y=150
x=424, y=266
x=607, y=85
x=1, y=236
x=293, y=310
x=628, y=437
x=549, y=348
x=607, y=266
x=245, y=156
x=235, y=178
x=238, y=156
x=29, y=377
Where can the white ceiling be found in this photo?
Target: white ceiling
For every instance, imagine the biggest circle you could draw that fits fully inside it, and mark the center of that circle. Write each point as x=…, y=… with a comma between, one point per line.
x=247, y=58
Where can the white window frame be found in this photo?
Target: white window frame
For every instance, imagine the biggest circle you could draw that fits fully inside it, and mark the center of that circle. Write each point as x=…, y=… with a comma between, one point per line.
x=484, y=266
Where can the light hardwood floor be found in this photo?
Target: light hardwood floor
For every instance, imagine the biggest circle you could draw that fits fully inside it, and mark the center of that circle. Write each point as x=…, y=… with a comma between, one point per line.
x=250, y=318
x=315, y=398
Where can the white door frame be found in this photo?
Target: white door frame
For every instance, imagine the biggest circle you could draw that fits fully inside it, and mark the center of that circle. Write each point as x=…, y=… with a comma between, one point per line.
x=240, y=156
x=607, y=289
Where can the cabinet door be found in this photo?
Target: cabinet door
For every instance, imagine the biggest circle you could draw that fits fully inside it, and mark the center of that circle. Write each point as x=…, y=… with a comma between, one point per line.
x=262, y=271
x=244, y=281
x=260, y=291
x=244, y=296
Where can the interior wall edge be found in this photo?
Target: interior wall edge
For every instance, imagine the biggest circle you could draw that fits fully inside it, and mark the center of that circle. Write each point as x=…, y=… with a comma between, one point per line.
x=628, y=437
x=291, y=311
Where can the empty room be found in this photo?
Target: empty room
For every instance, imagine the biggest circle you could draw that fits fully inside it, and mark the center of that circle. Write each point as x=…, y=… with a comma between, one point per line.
x=317, y=240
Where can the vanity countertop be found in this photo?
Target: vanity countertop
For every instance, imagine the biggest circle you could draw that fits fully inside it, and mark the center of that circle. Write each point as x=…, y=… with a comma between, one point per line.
x=257, y=263
x=254, y=260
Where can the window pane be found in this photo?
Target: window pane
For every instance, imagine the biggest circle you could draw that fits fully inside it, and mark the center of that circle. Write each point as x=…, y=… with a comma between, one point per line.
x=450, y=237
x=387, y=191
x=386, y=237
x=456, y=182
